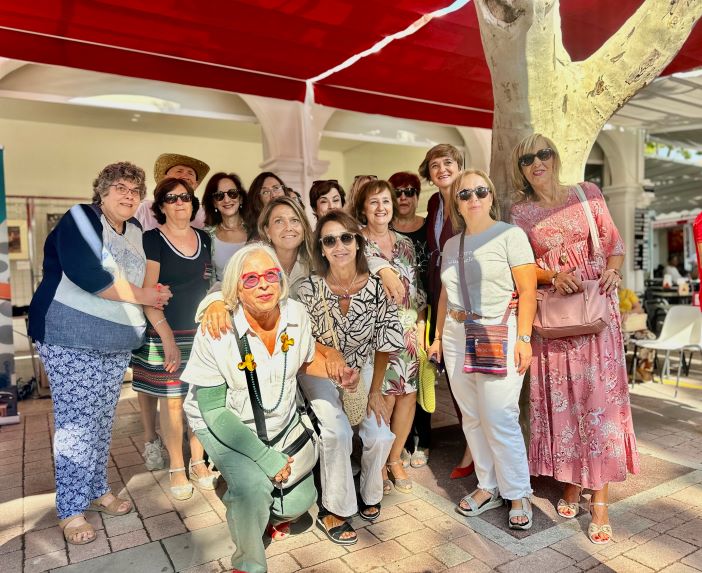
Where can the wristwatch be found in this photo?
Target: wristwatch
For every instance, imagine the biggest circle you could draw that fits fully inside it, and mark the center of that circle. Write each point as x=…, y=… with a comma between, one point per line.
x=525, y=338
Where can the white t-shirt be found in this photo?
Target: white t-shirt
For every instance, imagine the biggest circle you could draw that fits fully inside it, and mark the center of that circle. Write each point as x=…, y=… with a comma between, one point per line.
x=214, y=362
x=223, y=251
x=489, y=258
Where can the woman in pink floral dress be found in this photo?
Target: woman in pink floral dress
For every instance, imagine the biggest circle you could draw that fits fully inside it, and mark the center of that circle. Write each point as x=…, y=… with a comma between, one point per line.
x=581, y=427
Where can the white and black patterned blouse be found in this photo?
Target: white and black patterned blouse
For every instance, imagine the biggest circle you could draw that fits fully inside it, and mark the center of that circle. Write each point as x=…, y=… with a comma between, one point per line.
x=371, y=323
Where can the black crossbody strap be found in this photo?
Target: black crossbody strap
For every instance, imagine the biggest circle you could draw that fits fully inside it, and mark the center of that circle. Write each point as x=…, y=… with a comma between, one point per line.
x=252, y=383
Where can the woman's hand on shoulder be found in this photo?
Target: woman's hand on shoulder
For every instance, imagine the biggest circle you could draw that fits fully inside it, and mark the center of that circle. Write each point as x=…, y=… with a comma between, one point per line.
x=216, y=320
x=392, y=285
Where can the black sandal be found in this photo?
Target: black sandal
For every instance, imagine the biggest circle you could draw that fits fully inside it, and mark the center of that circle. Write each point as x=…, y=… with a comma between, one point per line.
x=334, y=533
x=365, y=507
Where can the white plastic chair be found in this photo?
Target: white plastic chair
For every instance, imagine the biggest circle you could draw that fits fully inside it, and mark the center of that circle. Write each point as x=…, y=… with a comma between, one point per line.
x=694, y=345
x=678, y=332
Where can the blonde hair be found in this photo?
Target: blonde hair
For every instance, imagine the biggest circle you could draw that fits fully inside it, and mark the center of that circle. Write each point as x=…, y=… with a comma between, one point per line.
x=456, y=218
x=235, y=266
x=522, y=187
x=304, y=251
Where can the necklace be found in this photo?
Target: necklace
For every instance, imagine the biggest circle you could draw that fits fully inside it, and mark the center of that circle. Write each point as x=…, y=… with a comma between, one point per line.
x=235, y=228
x=346, y=295
x=250, y=365
x=111, y=224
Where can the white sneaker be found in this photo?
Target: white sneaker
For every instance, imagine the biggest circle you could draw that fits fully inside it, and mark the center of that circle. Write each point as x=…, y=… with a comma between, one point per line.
x=153, y=455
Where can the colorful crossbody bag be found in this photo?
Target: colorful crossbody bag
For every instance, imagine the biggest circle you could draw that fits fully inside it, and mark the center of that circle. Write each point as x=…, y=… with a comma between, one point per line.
x=486, y=344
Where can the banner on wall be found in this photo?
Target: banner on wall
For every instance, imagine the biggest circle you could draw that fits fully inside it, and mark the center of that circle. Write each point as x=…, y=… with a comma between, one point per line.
x=8, y=392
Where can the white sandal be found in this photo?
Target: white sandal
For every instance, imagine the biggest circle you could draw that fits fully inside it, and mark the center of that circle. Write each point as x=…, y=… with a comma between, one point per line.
x=180, y=492
x=208, y=482
x=521, y=512
x=597, y=530
x=492, y=502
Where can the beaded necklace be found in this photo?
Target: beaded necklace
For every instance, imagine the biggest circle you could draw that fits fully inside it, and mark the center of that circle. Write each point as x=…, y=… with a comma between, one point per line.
x=249, y=364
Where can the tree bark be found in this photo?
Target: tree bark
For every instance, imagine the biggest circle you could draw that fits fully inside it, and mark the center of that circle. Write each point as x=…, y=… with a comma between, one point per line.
x=538, y=88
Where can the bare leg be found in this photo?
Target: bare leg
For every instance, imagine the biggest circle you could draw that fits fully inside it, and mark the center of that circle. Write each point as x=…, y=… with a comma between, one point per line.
x=400, y=424
x=171, y=417
x=197, y=452
x=147, y=408
x=467, y=458
x=600, y=515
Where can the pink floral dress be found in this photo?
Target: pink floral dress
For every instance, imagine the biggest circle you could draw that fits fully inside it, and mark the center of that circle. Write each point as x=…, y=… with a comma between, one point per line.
x=581, y=426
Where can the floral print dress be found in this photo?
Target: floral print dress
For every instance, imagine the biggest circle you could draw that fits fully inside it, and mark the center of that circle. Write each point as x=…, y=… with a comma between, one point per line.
x=402, y=375
x=581, y=425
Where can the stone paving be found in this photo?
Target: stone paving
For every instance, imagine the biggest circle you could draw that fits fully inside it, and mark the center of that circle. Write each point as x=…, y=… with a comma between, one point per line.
x=656, y=516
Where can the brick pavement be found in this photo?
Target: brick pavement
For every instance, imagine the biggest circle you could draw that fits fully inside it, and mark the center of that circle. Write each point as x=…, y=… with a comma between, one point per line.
x=657, y=518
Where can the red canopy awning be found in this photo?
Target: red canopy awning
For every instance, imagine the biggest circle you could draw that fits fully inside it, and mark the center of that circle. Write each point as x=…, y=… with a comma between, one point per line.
x=270, y=47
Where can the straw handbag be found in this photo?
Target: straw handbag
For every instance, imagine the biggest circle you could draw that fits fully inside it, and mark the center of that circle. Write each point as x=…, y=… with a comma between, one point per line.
x=426, y=393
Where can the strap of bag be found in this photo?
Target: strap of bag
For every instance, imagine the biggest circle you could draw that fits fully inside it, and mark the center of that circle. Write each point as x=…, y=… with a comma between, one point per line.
x=464, y=283
x=252, y=383
x=594, y=236
x=328, y=319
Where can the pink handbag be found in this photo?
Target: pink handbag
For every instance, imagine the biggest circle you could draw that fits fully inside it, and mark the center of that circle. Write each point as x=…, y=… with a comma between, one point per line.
x=585, y=312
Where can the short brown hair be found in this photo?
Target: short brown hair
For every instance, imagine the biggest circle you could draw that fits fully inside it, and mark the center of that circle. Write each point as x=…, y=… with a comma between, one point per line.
x=522, y=187
x=112, y=173
x=372, y=188
x=456, y=218
x=440, y=150
x=321, y=264
x=163, y=188
x=321, y=188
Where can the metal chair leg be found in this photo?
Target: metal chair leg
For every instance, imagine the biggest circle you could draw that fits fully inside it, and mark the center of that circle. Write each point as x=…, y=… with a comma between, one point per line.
x=633, y=367
x=677, y=382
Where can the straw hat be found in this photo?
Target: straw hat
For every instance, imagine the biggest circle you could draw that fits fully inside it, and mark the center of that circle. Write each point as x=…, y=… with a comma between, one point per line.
x=167, y=160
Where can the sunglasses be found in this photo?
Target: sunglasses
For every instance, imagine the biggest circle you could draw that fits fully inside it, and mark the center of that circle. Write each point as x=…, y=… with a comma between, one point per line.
x=406, y=191
x=219, y=195
x=184, y=197
x=251, y=280
x=373, y=177
x=318, y=181
x=480, y=192
x=329, y=241
x=528, y=158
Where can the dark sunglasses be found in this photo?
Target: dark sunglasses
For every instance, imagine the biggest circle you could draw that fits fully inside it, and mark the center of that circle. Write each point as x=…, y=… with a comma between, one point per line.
x=374, y=177
x=318, y=181
x=480, y=192
x=406, y=191
x=184, y=197
x=329, y=241
x=528, y=158
x=219, y=195
x=251, y=280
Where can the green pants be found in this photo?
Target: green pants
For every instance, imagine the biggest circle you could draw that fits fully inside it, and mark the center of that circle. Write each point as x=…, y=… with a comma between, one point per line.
x=252, y=502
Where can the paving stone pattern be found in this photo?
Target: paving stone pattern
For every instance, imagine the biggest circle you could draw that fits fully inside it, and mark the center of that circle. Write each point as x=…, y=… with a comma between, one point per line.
x=657, y=518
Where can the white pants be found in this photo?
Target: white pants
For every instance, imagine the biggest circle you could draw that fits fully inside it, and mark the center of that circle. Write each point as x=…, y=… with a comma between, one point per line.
x=490, y=408
x=336, y=435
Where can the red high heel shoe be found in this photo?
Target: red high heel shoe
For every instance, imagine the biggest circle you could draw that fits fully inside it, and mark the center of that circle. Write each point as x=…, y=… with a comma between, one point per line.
x=279, y=531
x=461, y=472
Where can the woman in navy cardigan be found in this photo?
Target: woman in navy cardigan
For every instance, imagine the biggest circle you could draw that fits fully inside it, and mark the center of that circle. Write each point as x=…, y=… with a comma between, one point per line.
x=85, y=317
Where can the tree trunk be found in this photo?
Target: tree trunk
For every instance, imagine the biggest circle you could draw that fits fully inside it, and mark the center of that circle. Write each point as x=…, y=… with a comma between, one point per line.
x=538, y=89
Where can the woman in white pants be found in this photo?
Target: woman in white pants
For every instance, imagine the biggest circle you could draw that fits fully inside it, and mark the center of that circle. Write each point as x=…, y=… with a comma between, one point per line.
x=496, y=258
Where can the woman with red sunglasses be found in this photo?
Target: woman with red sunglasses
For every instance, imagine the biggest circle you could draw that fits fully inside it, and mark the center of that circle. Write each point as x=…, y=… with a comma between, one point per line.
x=177, y=254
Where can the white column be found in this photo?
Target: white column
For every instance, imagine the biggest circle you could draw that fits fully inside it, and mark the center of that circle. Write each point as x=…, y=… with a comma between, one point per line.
x=291, y=134
x=624, y=157
x=478, y=145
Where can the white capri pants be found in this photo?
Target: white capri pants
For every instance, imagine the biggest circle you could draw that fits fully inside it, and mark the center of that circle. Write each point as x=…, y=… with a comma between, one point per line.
x=336, y=435
x=490, y=408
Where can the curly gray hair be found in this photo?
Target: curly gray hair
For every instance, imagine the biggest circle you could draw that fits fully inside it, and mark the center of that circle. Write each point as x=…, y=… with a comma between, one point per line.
x=113, y=173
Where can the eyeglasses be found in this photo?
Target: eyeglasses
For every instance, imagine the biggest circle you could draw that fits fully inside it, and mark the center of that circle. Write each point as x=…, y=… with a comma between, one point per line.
x=219, y=195
x=480, y=192
x=251, y=280
x=329, y=241
x=123, y=190
x=528, y=158
x=266, y=191
x=406, y=191
x=184, y=197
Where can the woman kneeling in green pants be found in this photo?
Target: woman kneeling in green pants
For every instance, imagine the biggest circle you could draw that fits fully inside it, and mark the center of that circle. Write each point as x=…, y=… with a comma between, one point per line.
x=271, y=341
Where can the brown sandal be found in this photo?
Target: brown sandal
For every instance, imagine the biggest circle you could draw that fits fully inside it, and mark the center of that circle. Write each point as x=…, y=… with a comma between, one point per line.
x=72, y=534
x=112, y=508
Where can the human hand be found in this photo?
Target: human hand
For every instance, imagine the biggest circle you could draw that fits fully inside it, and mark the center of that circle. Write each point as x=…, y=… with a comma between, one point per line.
x=335, y=363
x=609, y=280
x=567, y=282
x=216, y=320
x=284, y=473
x=171, y=354
x=394, y=289
x=435, y=351
x=156, y=296
x=522, y=356
x=376, y=405
x=350, y=379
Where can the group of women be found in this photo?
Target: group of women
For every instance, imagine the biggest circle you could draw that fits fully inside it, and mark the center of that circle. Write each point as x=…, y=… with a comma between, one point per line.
x=339, y=313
